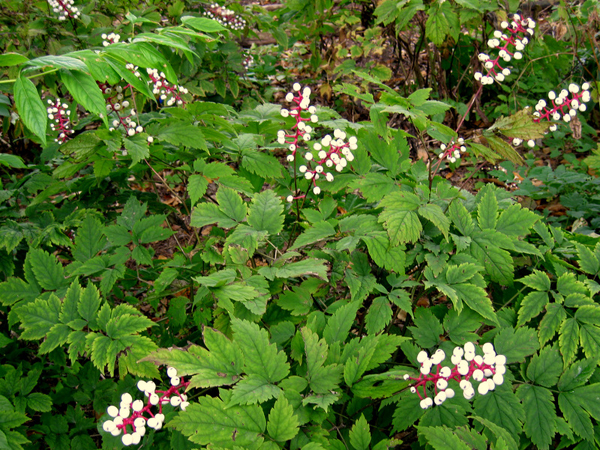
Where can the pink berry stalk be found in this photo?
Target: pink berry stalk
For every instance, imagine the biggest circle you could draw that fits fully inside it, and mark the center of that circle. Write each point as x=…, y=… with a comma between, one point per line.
x=59, y=113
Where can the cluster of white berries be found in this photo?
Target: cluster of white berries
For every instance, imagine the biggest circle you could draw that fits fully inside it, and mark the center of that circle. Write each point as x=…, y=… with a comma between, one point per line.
x=487, y=370
x=169, y=94
x=59, y=113
x=563, y=106
x=510, y=42
x=225, y=16
x=64, y=9
x=124, y=117
x=453, y=150
x=131, y=413
x=248, y=61
x=111, y=38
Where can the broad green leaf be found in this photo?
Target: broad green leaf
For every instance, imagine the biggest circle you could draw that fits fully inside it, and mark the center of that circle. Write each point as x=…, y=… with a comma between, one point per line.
x=357, y=364
x=428, y=328
x=540, y=414
x=133, y=212
x=210, y=421
x=202, y=24
x=577, y=374
x=339, y=324
x=12, y=59
x=317, y=232
x=322, y=379
x=567, y=284
x=262, y=357
x=38, y=317
x=58, y=61
x=231, y=204
x=516, y=221
x=435, y=214
x=182, y=133
x=85, y=91
x=121, y=326
x=502, y=407
x=58, y=335
x=208, y=213
x=266, y=212
x=89, y=303
x=89, y=240
x=12, y=160
x=283, y=423
x=15, y=289
x=587, y=260
x=461, y=218
x=379, y=315
x=533, y=304
x=550, y=323
x=385, y=255
x=442, y=438
x=476, y=298
x=497, y=262
x=487, y=210
x=537, y=280
x=504, y=149
x=360, y=435
x=39, y=402
x=251, y=390
x=576, y=417
x=589, y=314
x=30, y=107
x=461, y=326
x=546, y=367
x=374, y=186
x=310, y=266
x=516, y=344
x=197, y=185
x=399, y=217
x=473, y=439
x=407, y=412
x=137, y=147
x=48, y=271
x=569, y=339
x=590, y=340
x=461, y=273
x=261, y=164
x=501, y=433
x=442, y=21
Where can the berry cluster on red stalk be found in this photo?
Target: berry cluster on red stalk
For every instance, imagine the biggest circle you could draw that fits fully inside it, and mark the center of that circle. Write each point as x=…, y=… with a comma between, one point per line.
x=170, y=94
x=487, y=370
x=134, y=415
x=119, y=107
x=60, y=113
x=331, y=153
x=510, y=42
x=112, y=38
x=453, y=150
x=64, y=9
x=225, y=16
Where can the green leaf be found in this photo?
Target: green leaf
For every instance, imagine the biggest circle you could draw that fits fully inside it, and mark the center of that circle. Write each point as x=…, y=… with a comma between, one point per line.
x=428, y=328
x=442, y=21
x=497, y=262
x=317, y=232
x=231, y=204
x=442, y=438
x=283, y=423
x=400, y=218
x=322, y=379
x=590, y=340
x=262, y=357
x=568, y=340
x=435, y=214
x=487, y=211
x=89, y=240
x=197, y=185
x=253, y=389
x=182, y=133
x=516, y=221
x=537, y=280
x=30, y=107
x=502, y=407
x=85, y=91
x=461, y=326
x=137, y=147
x=516, y=344
x=540, y=414
x=531, y=306
x=339, y=324
x=576, y=417
x=577, y=374
x=266, y=213
x=550, y=323
x=39, y=402
x=379, y=315
x=501, y=433
x=546, y=367
x=522, y=125
x=58, y=61
x=505, y=150
x=210, y=421
x=202, y=24
x=15, y=289
x=12, y=59
x=587, y=260
x=121, y=326
x=374, y=186
x=310, y=266
x=461, y=218
x=48, y=271
x=407, y=412
x=208, y=213
x=261, y=164
x=476, y=298
x=12, y=160
x=38, y=318
x=57, y=336
x=89, y=303
x=360, y=435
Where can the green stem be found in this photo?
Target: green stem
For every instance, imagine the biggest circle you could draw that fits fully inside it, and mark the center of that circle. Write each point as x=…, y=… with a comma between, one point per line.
x=32, y=76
